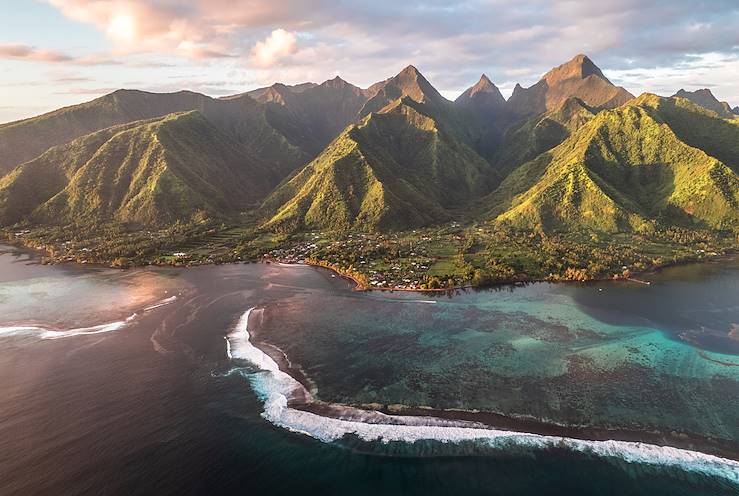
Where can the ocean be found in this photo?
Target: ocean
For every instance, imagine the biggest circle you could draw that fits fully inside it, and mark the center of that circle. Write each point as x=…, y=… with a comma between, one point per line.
x=259, y=378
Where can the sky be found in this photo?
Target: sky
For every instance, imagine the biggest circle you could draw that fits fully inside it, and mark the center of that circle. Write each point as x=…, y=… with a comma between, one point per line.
x=61, y=52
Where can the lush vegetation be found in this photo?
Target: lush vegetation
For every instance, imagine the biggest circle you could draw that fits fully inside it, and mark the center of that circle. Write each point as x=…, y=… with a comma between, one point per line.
x=625, y=170
x=152, y=173
x=394, y=186
x=396, y=169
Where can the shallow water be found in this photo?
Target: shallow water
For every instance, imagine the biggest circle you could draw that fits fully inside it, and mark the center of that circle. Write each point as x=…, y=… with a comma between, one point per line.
x=155, y=405
x=611, y=355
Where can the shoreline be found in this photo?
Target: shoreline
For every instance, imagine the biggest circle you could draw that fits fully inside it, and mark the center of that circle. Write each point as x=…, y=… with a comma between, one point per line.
x=490, y=420
x=359, y=286
x=633, y=278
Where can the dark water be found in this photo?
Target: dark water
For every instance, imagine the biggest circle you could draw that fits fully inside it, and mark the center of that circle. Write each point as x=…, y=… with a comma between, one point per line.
x=154, y=406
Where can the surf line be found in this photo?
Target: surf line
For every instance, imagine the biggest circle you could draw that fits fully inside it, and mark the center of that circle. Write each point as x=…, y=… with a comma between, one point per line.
x=275, y=387
x=44, y=333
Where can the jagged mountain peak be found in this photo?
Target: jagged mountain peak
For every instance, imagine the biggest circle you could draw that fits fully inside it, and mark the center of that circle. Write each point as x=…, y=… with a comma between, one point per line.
x=413, y=83
x=701, y=91
x=578, y=77
x=482, y=93
x=579, y=67
x=408, y=82
x=336, y=82
x=484, y=84
x=706, y=99
x=410, y=70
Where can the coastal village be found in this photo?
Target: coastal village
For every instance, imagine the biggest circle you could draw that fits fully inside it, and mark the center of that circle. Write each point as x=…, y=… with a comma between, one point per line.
x=431, y=259
x=373, y=260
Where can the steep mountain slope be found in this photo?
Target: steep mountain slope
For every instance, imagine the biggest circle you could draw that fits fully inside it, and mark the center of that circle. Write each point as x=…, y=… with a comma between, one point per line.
x=477, y=126
x=485, y=106
x=149, y=172
x=311, y=118
x=699, y=128
x=579, y=77
x=24, y=140
x=527, y=140
x=622, y=170
x=705, y=99
x=408, y=82
x=396, y=169
x=483, y=96
x=245, y=121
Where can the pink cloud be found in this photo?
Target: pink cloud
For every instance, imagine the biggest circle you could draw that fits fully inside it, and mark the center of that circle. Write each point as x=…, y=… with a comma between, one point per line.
x=199, y=29
x=16, y=51
x=33, y=54
x=275, y=47
x=152, y=26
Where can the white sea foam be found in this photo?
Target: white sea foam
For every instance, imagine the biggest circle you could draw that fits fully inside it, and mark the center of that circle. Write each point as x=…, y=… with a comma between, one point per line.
x=275, y=387
x=11, y=330
x=162, y=303
x=98, y=329
x=228, y=349
x=44, y=333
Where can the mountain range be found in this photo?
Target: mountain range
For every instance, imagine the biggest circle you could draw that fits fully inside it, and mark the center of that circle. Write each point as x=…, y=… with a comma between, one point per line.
x=573, y=151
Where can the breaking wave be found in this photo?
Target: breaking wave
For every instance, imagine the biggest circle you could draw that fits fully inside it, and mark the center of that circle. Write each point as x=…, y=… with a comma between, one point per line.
x=165, y=301
x=44, y=333
x=275, y=388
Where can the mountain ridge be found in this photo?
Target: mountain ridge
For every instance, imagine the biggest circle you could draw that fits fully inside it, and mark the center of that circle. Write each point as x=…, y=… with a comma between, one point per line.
x=384, y=172
x=624, y=170
x=140, y=172
x=579, y=77
x=572, y=152
x=705, y=98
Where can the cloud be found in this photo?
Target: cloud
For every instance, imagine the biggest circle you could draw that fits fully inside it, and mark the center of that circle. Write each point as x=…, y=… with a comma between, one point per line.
x=278, y=45
x=33, y=54
x=25, y=52
x=162, y=26
x=451, y=41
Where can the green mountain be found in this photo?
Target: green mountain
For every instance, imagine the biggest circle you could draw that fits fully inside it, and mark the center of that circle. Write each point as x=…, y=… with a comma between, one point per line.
x=473, y=119
x=23, y=140
x=397, y=169
x=246, y=121
x=26, y=139
x=579, y=77
x=705, y=99
x=313, y=116
x=627, y=169
x=526, y=140
x=151, y=172
x=572, y=152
